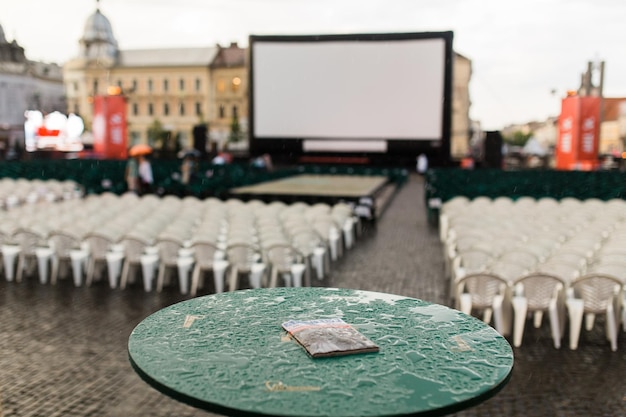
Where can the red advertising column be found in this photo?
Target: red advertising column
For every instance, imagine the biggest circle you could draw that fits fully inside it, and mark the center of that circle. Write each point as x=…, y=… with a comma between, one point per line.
x=579, y=133
x=109, y=127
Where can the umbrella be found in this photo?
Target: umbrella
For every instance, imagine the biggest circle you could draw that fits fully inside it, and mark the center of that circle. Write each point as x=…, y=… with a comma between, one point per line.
x=140, y=149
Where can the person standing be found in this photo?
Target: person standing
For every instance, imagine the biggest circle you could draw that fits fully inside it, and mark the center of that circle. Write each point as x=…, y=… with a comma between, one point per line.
x=132, y=175
x=145, y=175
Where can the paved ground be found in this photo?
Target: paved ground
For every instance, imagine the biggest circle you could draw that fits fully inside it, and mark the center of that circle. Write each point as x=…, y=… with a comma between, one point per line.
x=63, y=349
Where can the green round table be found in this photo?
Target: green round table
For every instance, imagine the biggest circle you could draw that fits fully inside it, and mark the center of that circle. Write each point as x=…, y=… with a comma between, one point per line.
x=227, y=353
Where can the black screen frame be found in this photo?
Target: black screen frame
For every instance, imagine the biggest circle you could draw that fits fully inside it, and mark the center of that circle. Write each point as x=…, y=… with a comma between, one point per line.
x=438, y=150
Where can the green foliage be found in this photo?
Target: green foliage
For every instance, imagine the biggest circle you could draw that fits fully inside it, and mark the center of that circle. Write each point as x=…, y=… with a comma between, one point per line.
x=157, y=136
x=164, y=142
x=235, y=130
x=518, y=138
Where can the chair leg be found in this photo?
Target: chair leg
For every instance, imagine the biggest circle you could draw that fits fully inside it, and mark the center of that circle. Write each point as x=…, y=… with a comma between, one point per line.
x=465, y=303
x=9, y=253
x=54, y=269
x=219, y=271
x=488, y=315
x=273, y=277
x=590, y=319
x=575, y=308
x=161, y=275
x=297, y=271
x=21, y=264
x=233, y=281
x=91, y=266
x=125, y=273
x=256, y=273
x=501, y=324
x=555, y=324
x=520, y=308
x=537, y=318
x=184, y=264
x=195, y=277
x=286, y=279
x=611, y=326
x=318, y=260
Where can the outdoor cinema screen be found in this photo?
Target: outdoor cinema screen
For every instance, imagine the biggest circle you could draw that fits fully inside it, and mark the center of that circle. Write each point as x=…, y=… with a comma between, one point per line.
x=350, y=93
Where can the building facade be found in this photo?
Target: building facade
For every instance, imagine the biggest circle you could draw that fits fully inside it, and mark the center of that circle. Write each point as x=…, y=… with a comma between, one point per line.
x=24, y=85
x=461, y=129
x=167, y=90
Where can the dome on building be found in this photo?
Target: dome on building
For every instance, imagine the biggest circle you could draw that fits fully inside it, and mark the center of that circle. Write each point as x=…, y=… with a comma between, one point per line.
x=98, y=40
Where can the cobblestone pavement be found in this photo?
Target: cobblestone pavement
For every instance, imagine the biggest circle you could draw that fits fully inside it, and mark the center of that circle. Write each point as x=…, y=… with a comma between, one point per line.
x=63, y=349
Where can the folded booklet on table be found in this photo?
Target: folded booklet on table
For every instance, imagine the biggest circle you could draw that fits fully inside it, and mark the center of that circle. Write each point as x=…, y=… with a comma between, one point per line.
x=329, y=337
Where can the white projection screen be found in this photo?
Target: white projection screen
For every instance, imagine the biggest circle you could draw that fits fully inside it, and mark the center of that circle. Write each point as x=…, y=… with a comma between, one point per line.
x=367, y=93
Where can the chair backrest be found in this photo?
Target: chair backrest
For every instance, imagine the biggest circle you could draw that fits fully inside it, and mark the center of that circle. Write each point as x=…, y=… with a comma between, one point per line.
x=597, y=290
x=474, y=260
x=62, y=243
x=168, y=249
x=133, y=248
x=98, y=244
x=204, y=252
x=540, y=288
x=242, y=255
x=482, y=287
x=283, y=255
x=28, y=240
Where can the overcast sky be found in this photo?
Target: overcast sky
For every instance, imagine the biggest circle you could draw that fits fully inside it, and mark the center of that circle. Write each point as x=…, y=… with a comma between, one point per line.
x=525, y=54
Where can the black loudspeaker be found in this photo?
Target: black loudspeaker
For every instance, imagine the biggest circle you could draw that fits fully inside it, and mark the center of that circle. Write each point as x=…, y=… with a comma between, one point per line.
x=492, y=152
x=199, y=138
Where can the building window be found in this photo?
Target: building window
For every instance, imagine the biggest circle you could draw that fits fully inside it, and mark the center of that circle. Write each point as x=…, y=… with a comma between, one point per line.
x=95, y=87
x=150, y=109
x=181, y=84
x=222, y=111
x=135, y=137
x=75, y=86
x=235, y=112
x=166, y=109
x=150, y=85
x=198, y=84
x=181, y=109
x=135, y=109
x=134, y=85
x=166, y=85
x=198, y=108
x=235, y=83
x=119, y=83
x=221, y=86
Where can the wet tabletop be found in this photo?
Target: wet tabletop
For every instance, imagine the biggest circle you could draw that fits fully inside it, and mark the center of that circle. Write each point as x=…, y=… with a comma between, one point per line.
x=228, y=354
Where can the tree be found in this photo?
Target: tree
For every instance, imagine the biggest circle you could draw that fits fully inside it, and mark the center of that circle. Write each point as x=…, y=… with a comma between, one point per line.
x=156, y=134
x=518, y=138
x=235, y=130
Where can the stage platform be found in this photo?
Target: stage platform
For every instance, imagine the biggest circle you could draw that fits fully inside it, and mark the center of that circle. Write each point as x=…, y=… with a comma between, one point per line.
x=367, y=194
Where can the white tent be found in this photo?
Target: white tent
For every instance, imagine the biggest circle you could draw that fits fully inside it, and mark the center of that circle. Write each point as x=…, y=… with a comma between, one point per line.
x=533, y=147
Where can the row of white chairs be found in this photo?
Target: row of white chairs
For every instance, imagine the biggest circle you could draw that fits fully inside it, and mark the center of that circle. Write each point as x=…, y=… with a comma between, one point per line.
x=538, y=255
x=20, y=191
x=124, y=234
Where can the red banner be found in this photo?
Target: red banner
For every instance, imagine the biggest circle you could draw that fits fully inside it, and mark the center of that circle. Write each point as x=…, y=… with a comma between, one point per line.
x=109, y=127
x=579, y=133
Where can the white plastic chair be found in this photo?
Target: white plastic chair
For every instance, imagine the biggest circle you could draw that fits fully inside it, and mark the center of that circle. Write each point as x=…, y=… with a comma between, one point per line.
x=488, y=294
x=595, y=294
x=537, y=293
x=286, y=260
x=206, y=256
